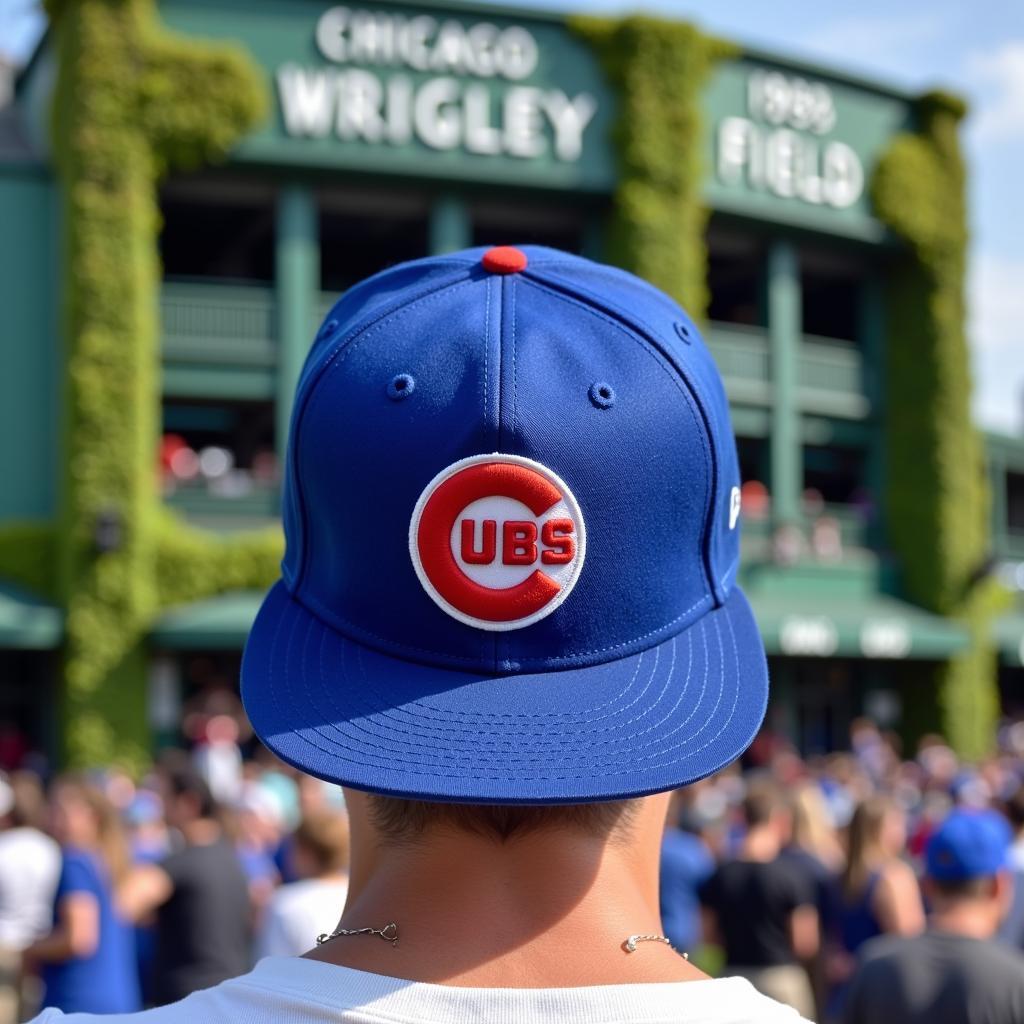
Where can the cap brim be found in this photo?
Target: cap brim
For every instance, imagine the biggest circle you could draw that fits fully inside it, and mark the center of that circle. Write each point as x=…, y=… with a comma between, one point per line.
x=649, y=722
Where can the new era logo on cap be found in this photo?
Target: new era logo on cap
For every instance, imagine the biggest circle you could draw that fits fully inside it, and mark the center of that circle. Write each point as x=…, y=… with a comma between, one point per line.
x=498, y=541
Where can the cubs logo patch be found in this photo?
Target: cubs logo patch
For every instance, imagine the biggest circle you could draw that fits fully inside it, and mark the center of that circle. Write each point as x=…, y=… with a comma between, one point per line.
x=497, y=541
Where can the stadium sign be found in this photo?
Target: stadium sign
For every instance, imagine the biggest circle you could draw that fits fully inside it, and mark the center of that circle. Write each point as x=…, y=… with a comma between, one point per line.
x=441, y=82
x=779, y=146
x=793, y=144
x=455, y=94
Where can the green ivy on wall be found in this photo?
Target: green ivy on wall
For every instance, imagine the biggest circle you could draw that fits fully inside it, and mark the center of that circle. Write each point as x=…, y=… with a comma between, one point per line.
x=131, y=100
x=27, y=556
x=193, y=563
x=659, y=69
x=937, y=495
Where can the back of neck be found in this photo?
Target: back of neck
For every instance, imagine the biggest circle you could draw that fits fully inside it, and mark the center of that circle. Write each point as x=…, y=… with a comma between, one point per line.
x=973, y=919
x=539, y=912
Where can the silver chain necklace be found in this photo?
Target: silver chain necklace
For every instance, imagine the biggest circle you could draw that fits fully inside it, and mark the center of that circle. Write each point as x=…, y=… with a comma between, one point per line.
x=630, y=944
x=389, y=933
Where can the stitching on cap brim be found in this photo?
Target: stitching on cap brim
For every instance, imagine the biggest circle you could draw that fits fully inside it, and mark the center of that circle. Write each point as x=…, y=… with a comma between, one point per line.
x=650, y=722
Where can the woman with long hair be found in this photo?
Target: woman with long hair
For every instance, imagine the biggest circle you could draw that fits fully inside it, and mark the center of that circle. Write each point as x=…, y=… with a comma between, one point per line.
x=815, y=850
x=880, y=894
x=88, y=959
x=813, y=831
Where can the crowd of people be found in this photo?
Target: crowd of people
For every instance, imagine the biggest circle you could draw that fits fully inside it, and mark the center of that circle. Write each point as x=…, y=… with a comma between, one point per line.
x=816, y=878
x=810, y=877
x=115, y=895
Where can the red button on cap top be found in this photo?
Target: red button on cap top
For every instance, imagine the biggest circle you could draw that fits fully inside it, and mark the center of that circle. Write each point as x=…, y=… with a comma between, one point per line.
x=504, y=259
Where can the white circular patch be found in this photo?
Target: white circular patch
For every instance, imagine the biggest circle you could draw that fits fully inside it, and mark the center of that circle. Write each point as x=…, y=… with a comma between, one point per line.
x=497, y=541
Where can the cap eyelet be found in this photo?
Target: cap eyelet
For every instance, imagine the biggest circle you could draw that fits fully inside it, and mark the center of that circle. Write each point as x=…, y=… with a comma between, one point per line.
x=602, y=395
x=329, y=327
x=683, y=331
x=401, y=386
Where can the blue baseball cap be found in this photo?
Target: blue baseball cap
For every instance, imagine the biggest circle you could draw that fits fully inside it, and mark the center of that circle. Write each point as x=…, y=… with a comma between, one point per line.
x=511, y=507
x=968, y=844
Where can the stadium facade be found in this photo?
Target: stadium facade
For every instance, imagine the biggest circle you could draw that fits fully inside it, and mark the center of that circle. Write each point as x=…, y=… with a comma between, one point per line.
x=392, y=131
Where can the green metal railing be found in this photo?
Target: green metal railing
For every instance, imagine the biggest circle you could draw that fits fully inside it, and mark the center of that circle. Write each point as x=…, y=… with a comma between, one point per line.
x=213, y=332
x=221, y=511
x=1009, y=544
x=744, y=360
x=852, y=523
x=831, y=379
x=219, y=341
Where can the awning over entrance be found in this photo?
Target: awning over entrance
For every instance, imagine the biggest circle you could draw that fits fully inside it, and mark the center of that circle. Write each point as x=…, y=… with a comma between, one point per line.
x=1009, y=637
x=855, y=626
x=26, y=622
x=216, y=624
x=875, y=626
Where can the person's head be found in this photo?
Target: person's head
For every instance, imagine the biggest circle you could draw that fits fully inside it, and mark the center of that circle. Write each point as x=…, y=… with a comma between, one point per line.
x=257, y=816
x=813, y=829
x=877, y=833
x=508, y=606
x=82, y=817
x=186, y=795
x=6, y=804
x=320, y=845
x=1014, y=808
x=863, y=730
x=22, y=801
x=765, y=808
x=967, y=869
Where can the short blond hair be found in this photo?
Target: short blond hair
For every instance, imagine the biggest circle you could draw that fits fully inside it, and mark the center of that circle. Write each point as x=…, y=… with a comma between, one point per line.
x=324, y=836
x=400, y=820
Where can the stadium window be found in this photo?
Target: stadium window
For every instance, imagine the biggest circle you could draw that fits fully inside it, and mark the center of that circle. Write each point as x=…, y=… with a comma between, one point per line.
x=27, y=698
x=754, y=458
x=736, y=271
x=213, y=229
x=209, y=687
x=221, y=448
x=362, y=233
x=836, y=473
x=830, y=295
x=496, y=223
x=1015, y=502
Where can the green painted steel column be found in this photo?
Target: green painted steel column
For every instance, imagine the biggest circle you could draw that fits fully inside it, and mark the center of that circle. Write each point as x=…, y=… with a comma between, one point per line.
x=784, y=713
x=450, y=226
x=871, y=337
x=297, y=284
x=784, y=342
x=997, y=470
x=595, y=242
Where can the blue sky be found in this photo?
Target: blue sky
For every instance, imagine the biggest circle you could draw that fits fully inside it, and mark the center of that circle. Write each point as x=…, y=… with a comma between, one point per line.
x=975, y=48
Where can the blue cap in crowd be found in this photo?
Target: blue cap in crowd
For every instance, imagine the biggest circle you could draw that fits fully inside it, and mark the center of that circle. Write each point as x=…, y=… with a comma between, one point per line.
x=968, y=844
x=511, y=506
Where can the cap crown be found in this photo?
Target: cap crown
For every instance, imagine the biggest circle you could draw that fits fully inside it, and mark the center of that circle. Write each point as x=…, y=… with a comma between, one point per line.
x=579, y=367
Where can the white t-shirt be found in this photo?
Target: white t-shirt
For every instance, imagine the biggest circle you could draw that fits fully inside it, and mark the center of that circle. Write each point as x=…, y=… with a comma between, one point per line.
x=297, y=913
x=29, y=869
x=287, y=990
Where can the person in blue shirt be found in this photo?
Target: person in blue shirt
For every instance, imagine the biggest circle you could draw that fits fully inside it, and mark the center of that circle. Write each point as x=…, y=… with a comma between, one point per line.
x=686, y=863
x=88, y=959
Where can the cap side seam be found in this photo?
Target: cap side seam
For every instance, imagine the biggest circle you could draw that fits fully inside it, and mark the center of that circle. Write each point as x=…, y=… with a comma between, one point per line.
x=337, y=355
x=499, y=389
x=587, y=300
x=685, y=387
x=361, y=286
